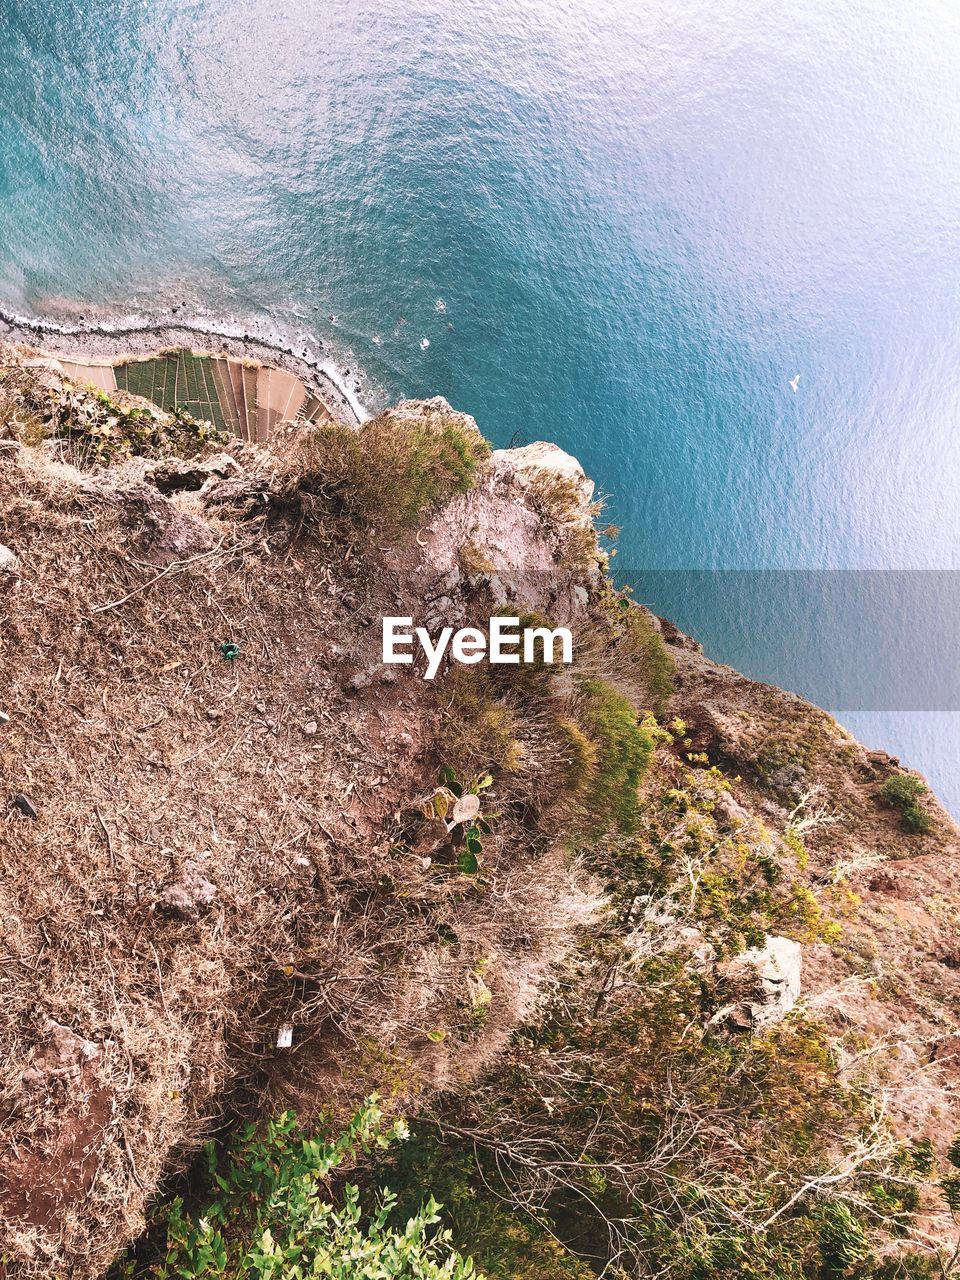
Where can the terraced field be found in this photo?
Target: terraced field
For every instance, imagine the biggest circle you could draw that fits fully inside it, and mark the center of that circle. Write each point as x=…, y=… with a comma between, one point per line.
x=181, y=381
x=248, y=400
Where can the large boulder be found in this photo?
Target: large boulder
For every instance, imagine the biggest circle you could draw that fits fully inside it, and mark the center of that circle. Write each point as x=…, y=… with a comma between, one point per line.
x=764, y=984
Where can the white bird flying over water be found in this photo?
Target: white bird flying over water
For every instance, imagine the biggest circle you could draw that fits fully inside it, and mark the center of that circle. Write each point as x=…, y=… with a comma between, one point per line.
x=795, y=382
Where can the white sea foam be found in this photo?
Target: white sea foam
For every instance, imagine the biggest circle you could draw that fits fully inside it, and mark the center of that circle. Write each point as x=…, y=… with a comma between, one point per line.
x=336, y=377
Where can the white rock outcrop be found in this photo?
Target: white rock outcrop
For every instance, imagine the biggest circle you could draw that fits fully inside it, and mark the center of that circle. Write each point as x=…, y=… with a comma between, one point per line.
x=765, y=981
x=544, y=459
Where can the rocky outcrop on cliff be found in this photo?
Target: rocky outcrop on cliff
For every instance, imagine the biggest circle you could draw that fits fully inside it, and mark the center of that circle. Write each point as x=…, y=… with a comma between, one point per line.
x=894, y=891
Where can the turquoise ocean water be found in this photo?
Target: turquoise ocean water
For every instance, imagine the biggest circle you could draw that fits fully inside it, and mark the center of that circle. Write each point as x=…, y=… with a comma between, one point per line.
x=623, y=226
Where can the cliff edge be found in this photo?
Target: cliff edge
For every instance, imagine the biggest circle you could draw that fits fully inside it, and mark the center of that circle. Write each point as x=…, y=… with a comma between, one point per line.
x=246, y=865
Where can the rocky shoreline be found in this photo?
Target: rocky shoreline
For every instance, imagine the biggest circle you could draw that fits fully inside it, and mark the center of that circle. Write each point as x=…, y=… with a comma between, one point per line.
x=114, y=344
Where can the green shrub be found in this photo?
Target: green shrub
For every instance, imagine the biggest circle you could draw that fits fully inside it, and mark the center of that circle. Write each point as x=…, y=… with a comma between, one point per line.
x=526, y=679
x=479, y=729
x=843, y=1239
x=577, y=756
x=903, y=791
x=915, y=821
x=641, y=645
x=388, y=472
x=272, y=1218
x=100, y=430
x=506, y=1243
x=920, y=1157
x=624, y=747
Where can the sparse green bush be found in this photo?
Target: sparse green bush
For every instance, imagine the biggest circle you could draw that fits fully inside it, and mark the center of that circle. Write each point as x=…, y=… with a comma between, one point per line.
x=920, y=1157
x=643, y=1136
x=506, y=1243
x=271, y=1216
x=468, y=832
x=903, y=791
x=559, y=501
x=526, y=679
x=915, y=821
x=577, y=756
x=120, y=432
x=624, y=746
x=388, y=472
x=479, y=729
x=641, y=646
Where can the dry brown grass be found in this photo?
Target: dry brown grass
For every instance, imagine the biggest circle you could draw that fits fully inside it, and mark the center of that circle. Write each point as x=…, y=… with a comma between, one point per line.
x=390, y=471
x=145, y=752
x=557, y=500
x=294, y=781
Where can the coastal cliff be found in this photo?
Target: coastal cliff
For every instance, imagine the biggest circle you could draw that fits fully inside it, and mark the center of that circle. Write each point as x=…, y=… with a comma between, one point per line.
x=665, y=948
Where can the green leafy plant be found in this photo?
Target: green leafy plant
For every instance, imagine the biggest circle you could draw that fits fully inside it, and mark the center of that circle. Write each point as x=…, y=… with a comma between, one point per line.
x=915, y=821
x=465, y=820
x=507, y=1243
x=272, y=1216
x=903, y=791
x=920, y=1157
x=103, y=431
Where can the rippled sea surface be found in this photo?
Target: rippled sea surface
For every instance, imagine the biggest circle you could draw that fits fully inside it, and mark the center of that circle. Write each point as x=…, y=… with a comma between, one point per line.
x=622, y=226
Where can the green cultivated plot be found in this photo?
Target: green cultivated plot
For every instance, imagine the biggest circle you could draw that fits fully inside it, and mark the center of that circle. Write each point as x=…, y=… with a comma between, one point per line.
x=180, y=381
x=226, y=392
